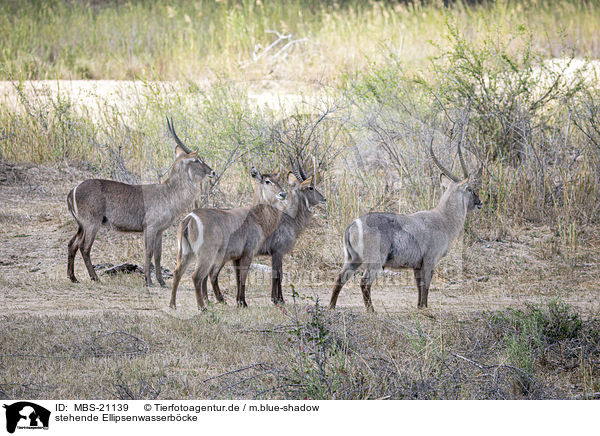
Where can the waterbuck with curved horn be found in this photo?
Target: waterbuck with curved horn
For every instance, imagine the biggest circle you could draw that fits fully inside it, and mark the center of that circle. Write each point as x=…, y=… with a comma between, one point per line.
x=418, y=241
x=303, y=197
x=217, y=236
x=150, y=209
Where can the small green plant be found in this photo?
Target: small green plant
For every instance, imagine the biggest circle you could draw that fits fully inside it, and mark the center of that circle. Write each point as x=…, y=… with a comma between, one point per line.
x=561, y=322
x=532, y=331
x=419, y=339
x=321, y=359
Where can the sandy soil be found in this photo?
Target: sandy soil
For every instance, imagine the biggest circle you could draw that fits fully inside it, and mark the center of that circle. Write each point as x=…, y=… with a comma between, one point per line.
x=93, y=95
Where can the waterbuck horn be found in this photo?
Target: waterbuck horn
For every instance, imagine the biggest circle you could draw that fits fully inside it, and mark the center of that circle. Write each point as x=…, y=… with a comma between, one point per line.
x=295, y=170
x=440, y=166
x=462, y=162
x=176, y=138
x=300, y=169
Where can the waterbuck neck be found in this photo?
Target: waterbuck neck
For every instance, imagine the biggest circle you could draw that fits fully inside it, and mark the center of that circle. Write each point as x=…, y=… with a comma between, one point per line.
x=266, y=216
x=299, y=210
x=453, y=210
x=179, y=191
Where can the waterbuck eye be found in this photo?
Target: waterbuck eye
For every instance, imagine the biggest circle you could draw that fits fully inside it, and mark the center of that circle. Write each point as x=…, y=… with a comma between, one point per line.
x=310, y=188
x=268, y=182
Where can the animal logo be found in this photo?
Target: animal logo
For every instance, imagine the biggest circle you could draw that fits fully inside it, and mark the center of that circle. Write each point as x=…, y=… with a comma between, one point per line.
x=24, y=414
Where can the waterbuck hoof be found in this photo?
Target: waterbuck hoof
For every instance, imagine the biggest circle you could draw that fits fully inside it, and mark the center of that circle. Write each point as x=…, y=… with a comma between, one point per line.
x=242, y=304
x=423, y=310
x=428, y=314
x=74, y=280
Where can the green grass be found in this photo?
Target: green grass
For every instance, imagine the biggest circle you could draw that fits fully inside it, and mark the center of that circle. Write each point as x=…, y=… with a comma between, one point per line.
x=180, y=40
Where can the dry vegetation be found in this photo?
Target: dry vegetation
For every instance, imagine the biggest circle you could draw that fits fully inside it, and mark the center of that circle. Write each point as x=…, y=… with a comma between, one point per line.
x=514, y=308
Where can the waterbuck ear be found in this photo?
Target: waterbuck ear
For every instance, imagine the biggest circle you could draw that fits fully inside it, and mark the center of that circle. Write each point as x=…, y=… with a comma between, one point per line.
x=292, y=179
x=445, y=181
x=464, y=184
x=255, y=174
x=179, y=152
x=475, y=180
x=307, y=182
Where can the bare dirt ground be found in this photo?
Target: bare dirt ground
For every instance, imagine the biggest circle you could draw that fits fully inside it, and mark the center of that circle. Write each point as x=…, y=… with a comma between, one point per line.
x=36, y=226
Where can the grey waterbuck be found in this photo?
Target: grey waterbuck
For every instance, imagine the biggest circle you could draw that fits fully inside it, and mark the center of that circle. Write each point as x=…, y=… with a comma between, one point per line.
x=150, y=209
x=296, y=217
x=417, y=241
x=217, y=236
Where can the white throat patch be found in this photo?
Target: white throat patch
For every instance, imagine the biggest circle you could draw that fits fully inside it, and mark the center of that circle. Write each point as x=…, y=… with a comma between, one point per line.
x=307, y=205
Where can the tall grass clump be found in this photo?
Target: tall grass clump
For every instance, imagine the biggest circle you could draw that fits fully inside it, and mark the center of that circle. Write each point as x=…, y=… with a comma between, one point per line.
x=45, y=130
x=507, y=105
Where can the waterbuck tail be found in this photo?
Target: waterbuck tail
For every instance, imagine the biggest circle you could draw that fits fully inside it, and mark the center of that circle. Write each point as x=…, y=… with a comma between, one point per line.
x=183, y=241
x=350, y=253
x=72, y=205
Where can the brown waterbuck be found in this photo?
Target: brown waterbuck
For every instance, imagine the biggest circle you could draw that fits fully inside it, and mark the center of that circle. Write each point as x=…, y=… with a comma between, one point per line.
x=150, y=209
x=303, y=197
x=217, y=236
x=417, y=241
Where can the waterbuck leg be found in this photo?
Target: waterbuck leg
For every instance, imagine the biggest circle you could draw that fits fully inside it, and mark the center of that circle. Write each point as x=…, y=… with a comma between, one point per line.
x=276, y=274
x=365, y=286
x=149, y=241
x=242, y=266
x=183, y=260
x=346, y=274
x=86, y=247
x=423, y=278
x=236, y=269
x=157, y=257
x=198, y=277
x=214, y=281
x=74, y=244
x=418, y=280
x=427, y=273
x=204, y=289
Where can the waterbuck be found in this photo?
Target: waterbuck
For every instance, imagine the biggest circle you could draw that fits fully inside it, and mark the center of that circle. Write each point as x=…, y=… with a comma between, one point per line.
x=217, y=236
x=135, y=208
x=296, y=217
x=417, y=241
